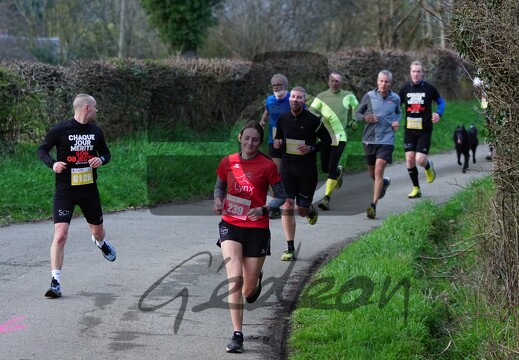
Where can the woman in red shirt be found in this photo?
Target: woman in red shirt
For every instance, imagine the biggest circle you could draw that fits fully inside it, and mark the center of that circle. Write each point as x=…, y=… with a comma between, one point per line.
x=240, y=196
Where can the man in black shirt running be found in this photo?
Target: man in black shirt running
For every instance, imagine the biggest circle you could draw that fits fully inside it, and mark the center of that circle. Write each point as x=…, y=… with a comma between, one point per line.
x=80, y=150
x=418, y=96
x=297, y=134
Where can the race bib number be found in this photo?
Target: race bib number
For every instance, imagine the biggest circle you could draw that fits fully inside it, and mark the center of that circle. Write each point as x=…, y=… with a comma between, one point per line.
x=81, y=176
x=236, y=207
x=292, y=145
x=414, y=123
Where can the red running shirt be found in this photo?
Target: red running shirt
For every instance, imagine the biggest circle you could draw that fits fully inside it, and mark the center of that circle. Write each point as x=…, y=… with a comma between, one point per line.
x=248, y=180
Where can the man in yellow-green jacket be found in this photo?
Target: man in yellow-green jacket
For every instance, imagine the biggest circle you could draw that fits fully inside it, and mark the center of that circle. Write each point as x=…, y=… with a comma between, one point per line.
x=333, y=106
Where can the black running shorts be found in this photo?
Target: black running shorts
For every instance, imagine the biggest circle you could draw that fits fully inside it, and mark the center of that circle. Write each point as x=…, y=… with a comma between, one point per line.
x=374, y=152
x=88, y=201
x=255, y=241
x=417, y=141
x=300, y=181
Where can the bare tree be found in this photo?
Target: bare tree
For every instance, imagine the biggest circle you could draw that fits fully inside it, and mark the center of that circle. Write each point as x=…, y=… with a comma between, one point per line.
x=122, y=24
x=437, y=20
x=249, y=27
x=85, y=28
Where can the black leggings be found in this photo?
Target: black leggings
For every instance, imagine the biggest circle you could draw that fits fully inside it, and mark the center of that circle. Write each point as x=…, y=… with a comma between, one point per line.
x=330, y=157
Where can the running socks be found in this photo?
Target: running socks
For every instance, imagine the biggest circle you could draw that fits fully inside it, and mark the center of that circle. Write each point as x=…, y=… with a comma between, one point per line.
x=98, y=243
x=330, y=185
x=290, y=245
x=413, y=174
x=56, y=274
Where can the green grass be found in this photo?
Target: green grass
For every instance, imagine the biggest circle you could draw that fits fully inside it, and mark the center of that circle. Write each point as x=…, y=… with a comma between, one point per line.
x=141, y=173
x=365, y=314
x=144, y=173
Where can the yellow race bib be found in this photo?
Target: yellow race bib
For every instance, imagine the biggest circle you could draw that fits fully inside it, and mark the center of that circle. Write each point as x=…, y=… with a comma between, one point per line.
x=81, y=176
x=414, y=123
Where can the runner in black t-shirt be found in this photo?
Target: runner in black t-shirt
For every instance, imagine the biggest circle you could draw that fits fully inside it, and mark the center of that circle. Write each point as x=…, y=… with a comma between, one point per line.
x=417, y=96
x=80, y=150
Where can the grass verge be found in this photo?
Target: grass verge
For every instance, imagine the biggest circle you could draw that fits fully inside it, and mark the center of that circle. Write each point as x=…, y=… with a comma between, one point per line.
x=412, y=289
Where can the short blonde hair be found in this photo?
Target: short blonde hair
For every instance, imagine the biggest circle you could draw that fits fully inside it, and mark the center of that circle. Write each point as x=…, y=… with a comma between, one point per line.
x=300, y=89
x=416, y=63
x=81, y=100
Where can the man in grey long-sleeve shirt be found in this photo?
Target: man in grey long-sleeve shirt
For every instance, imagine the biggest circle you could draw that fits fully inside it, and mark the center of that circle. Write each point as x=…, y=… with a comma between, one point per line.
x=380, y=110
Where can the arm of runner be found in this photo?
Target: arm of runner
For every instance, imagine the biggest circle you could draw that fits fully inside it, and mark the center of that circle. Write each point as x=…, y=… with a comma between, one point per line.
x=363, y=107
x=44, y=150
x=439, y=110
x=324, y=137
x=264, y=118
x=279, y=196
x=316, y=106
x=220, y=189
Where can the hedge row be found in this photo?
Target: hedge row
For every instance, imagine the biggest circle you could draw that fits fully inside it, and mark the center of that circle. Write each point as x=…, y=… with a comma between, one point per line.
x=202, y=94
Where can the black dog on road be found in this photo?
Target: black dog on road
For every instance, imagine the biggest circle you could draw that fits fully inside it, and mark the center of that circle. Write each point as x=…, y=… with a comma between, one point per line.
x=466, y=141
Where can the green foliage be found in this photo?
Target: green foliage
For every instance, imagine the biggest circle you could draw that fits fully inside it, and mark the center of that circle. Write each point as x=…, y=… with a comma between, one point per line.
x=447, y=315
x=19, y=112
x=181, y=24
x=378, y=329
x=485, y=32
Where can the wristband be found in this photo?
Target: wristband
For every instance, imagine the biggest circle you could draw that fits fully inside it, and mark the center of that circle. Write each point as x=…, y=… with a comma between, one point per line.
x=264, y=210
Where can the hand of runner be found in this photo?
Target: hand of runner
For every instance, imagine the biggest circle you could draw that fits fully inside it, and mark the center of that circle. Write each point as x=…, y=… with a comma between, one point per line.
x=218, y=206
x=59, y=166
x=95, y=162
x=371, y=118
x=254, y=214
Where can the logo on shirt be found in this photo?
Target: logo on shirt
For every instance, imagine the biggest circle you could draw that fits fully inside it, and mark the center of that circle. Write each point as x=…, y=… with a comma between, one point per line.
x=82, y=142
x=243, y=185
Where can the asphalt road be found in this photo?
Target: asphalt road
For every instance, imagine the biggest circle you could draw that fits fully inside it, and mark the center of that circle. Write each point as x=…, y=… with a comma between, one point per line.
x=163, y=298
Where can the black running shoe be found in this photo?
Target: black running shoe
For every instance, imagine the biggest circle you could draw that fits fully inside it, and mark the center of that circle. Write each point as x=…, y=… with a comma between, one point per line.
x=236, y=344
x=55, y=289
x=387, y=182
x=257, y=293
x=324, y=204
